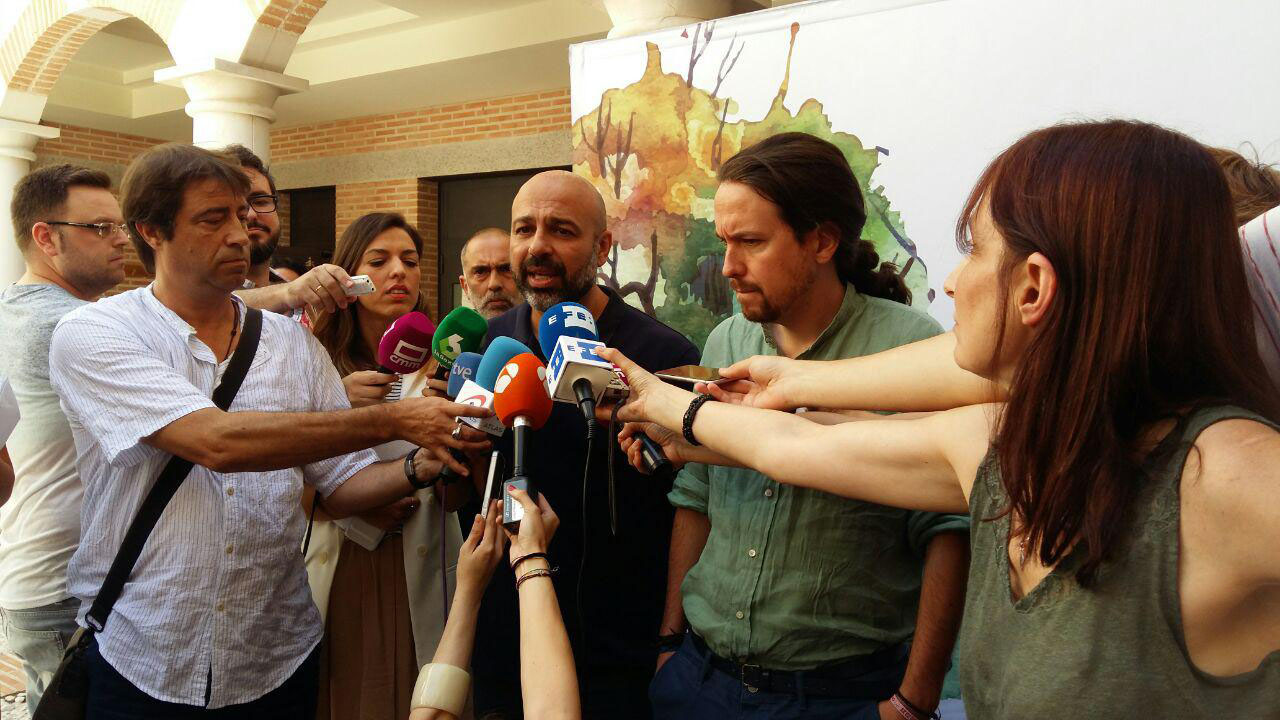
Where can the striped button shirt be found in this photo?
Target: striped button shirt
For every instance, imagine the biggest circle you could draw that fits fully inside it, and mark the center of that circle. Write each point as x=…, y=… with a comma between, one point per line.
x=1260, y=242
x=219, y=596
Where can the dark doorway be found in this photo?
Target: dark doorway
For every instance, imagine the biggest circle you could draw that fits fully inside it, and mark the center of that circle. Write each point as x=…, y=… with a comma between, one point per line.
x=312, y=223
x=468, y=204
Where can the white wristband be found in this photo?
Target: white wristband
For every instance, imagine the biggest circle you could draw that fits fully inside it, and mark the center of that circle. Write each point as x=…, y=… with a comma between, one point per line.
x=442, y=687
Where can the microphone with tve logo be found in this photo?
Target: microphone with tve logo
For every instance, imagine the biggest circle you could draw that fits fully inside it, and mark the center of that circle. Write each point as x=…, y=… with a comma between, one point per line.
x=464, y=369
x=462, y=330
x=405, y=348
x=521, y=402
x=575, y=374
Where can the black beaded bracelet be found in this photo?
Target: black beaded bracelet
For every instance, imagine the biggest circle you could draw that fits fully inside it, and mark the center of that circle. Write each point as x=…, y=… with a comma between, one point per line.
x=409, y=472
x=689, y=416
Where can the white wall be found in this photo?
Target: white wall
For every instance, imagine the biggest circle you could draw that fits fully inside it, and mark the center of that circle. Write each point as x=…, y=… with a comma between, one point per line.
x=946, y=85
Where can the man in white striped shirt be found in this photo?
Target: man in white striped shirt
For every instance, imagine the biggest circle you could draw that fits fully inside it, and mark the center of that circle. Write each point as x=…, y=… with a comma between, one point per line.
x=216, y=619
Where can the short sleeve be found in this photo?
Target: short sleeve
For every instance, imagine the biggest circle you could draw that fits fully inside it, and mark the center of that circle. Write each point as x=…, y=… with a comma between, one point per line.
x=110, y=382
x=329, y=395
x=923, y=527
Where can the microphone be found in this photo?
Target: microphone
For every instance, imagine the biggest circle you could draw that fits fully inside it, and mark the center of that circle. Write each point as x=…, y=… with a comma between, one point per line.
x=404, y=348
x=478, y=390
x=462, y=330
x=464, y=368
x=575, y=374
x=521, y=402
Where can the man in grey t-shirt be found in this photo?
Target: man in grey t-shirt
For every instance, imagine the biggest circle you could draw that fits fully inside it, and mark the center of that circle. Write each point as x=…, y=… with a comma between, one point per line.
x=70, y=231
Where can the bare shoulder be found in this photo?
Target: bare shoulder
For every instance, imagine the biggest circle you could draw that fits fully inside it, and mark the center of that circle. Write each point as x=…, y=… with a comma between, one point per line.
x=1230, y=481
x=964, y=434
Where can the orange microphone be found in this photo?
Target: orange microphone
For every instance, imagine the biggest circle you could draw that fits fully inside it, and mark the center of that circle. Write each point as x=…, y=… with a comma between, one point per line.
x=521, y=402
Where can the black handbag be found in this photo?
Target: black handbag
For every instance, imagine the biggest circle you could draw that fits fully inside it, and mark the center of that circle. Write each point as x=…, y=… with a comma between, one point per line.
x=65, y=697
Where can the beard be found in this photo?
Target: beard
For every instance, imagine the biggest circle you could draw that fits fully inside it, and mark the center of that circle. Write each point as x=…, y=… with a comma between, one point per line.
x=771, y=305
x=260, y=253
x=572, y=287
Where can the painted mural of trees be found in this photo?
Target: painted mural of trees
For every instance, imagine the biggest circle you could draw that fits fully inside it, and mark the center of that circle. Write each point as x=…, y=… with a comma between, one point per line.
x=652, y=149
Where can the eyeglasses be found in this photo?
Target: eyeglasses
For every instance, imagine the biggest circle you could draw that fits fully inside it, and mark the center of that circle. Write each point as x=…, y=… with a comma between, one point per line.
x=263, y=203
x=104, y=229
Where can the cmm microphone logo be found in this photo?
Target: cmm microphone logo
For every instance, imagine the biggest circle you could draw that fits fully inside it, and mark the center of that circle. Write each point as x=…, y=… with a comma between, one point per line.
x=409, y=354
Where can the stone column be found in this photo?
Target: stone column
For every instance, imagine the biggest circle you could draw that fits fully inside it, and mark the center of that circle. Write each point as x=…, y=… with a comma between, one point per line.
x=633, y=17
x=17, y=151
x=231, y=103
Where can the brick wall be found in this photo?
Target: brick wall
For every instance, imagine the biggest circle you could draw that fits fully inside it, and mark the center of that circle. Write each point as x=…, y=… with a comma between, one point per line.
x=509, y=116
x=416, y=200
x=98, y=145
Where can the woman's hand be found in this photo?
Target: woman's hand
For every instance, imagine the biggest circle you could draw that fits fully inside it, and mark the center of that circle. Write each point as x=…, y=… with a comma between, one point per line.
x=367, y=387
x=650, y=399
x=758, y=381
x=673, y=446
x=536, y=528
x=481, y=551
x=393, y=515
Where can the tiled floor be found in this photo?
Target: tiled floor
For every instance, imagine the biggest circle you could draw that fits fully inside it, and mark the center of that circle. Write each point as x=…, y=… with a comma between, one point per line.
x=11, y=681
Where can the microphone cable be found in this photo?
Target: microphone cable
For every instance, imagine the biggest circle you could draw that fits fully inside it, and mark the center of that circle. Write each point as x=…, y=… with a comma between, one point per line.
x=582, y=559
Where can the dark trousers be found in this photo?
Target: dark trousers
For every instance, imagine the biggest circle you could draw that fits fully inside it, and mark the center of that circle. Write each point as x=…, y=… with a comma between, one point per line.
x=688, y=686
x=112, y=697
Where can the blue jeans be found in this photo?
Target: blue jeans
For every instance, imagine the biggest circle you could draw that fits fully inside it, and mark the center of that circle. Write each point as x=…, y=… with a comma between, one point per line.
x=687, y=686
x=112, y=697
x=38, y=636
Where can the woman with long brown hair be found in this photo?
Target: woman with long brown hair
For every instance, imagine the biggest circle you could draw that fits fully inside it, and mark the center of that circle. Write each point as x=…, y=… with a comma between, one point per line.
x=379, y=579
x=1123, y=495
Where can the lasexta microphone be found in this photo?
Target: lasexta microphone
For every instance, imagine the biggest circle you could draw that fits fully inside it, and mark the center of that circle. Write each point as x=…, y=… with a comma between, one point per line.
x=464, y=369
x=567, y=335
x=462, y=330
x=521, y=402
x=405, y=348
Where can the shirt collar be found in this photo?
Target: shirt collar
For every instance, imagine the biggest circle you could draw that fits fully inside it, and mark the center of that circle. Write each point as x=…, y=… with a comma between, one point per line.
x=181, y=327
x=851, y=306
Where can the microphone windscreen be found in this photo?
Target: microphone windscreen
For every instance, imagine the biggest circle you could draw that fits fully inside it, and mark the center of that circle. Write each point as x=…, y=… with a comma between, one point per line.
x=464, y=369
x=567, y=318
x=521, y=390
x=462, y=330
x=406, y=345
x=501, y=350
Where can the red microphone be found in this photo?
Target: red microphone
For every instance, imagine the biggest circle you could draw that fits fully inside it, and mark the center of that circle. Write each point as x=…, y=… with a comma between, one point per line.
x=521, y=402
x=405, y=347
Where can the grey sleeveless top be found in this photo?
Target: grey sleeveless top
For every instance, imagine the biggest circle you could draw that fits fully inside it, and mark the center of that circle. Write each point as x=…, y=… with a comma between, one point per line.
x=1115, y=650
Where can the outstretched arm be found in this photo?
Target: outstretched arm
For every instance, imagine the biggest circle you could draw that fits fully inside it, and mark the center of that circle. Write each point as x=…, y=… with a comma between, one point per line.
x=920, y=376
x=924, y=464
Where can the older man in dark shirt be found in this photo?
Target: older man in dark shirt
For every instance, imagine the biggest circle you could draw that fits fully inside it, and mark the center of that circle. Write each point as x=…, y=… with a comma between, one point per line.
x=558, y=240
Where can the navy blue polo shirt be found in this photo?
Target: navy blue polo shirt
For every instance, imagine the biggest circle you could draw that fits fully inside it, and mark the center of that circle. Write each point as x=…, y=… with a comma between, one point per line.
x=625, y=579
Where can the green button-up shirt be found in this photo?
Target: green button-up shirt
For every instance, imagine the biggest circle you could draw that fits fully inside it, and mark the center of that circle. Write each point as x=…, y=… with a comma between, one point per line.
x=793, y=578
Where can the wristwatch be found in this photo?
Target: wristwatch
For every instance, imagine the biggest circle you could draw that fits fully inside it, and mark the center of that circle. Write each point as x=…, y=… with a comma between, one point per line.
x=411, y=475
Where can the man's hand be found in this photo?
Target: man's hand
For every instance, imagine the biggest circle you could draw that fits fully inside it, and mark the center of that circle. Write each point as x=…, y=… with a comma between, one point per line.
x=481, y=551
x=367, y=387
x=430, y=423
x=323, y=289
x=670, y=442
x=393, y=515
x=759, y=381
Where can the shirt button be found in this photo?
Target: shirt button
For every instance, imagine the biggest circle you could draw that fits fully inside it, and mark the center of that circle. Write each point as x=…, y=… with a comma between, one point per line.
x=739, y=615
x=229, y=548
x=231, y=491
x=220, y=607
x=768, y=492
x=751, y=552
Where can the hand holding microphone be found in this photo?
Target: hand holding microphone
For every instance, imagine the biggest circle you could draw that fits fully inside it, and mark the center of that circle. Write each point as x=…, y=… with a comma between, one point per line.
x=669, y=442
x=536, y=529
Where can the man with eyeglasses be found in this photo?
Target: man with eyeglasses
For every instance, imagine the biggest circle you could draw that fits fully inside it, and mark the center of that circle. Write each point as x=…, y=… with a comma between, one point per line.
x=70, y=231
x=323, y=288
